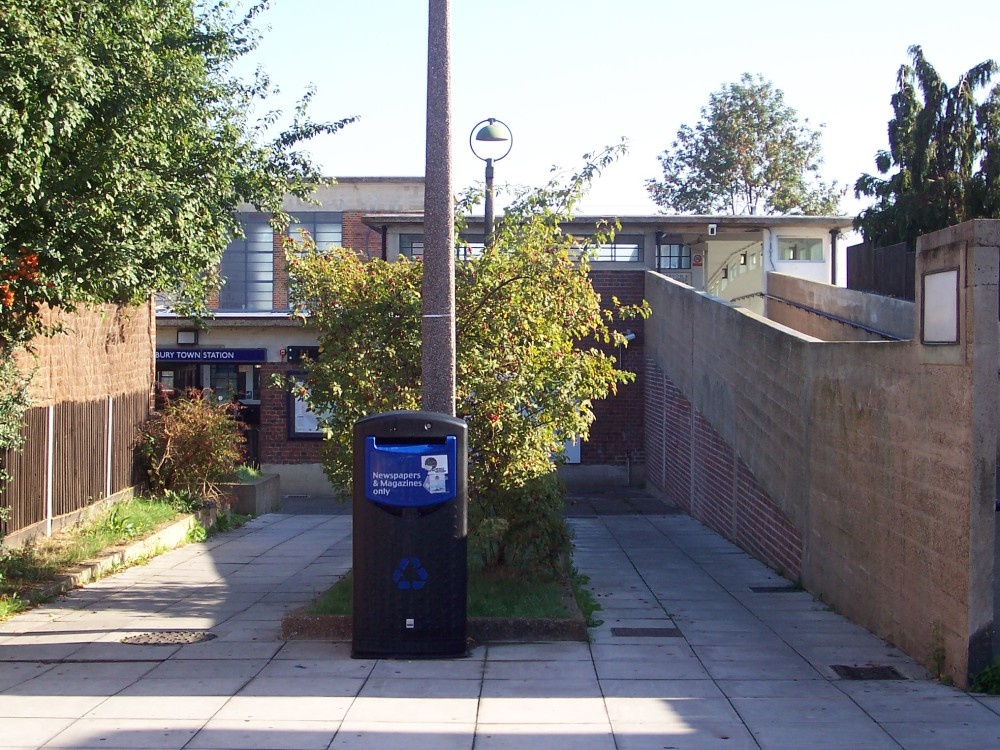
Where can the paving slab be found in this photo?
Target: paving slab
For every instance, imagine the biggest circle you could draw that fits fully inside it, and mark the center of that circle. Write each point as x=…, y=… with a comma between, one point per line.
x=745, y=670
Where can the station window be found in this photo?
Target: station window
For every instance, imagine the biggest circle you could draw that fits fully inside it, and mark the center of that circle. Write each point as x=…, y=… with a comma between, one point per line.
x=624, y=248
x=469, y=246
x=800, y=248
x=673, y=257
x=248, y=268
x=325, y=227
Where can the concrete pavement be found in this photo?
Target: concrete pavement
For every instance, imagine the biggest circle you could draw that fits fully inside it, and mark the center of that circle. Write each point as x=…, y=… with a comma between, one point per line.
x=688, y=656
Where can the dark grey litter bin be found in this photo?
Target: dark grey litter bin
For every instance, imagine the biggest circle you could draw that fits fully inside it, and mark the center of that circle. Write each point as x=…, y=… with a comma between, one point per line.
x=410, y=535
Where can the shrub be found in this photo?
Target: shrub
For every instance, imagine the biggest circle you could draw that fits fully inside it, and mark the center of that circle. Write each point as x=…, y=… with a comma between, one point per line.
x=522, y=526
x=987, y=681
x=191, y=445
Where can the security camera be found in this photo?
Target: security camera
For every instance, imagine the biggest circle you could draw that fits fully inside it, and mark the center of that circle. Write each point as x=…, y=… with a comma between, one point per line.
x=713, y=229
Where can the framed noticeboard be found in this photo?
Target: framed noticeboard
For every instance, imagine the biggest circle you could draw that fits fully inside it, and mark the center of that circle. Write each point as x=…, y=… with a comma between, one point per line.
x=303, y=422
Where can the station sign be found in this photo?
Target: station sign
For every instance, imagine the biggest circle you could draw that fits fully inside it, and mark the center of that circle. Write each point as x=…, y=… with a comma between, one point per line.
x=214, y=356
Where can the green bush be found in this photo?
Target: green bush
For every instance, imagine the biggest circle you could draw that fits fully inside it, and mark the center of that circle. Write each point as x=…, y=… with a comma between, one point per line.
x=522, y=526
x=987, y=681
x=183, y=501
x=191, y=445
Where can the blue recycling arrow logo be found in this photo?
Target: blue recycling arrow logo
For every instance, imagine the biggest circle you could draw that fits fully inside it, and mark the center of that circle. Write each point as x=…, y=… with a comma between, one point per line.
x=410, y=574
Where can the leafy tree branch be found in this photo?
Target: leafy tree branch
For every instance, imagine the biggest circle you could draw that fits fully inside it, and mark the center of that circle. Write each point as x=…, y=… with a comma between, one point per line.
x=942, y=166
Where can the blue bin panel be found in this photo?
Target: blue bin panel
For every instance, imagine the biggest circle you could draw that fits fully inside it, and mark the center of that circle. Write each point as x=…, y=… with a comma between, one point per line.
x=407, y=475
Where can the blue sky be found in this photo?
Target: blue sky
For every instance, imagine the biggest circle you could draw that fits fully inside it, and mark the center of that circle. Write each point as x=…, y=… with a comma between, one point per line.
x=571, y=76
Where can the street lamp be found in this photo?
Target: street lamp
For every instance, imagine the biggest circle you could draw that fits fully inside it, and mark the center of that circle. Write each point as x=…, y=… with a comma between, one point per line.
x=494, y=131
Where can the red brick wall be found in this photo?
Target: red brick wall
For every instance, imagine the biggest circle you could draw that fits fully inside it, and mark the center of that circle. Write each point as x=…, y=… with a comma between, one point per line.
x=275, y=447
x=616, y=435
x=692, y=465
x=359, y=237
x=279, y=293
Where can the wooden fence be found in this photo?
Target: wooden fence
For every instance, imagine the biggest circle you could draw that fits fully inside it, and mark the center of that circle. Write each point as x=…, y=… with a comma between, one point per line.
x=73, y=455
x=889, y=271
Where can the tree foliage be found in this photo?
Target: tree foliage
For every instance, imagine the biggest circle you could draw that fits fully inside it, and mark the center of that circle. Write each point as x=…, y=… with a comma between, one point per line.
x=945, y=151
x=528, y=324
x=126, y=147
x=748, y=154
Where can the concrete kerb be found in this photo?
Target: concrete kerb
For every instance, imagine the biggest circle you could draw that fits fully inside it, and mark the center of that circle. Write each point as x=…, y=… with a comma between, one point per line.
x=167, y=538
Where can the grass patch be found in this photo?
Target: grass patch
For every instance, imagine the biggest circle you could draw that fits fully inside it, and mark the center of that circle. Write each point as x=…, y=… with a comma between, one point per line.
x=336, y=600
x=987, y=681
x=43, y=559
x=491, y=594
x=25, y=569
x=245, y=474
x=584, y=599
x=501, y=593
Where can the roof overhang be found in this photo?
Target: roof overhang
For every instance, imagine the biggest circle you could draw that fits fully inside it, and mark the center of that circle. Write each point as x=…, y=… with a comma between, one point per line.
x=672, y=224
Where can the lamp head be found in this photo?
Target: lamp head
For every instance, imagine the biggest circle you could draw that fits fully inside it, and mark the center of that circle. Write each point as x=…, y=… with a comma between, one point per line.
x=492, y=132
x=491, y=140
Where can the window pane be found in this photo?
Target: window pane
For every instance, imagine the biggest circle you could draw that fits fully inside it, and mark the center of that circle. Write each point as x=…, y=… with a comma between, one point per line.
x=674, y=257
x=328, y=234
x=247, y=266
x=800, y=248
x=411, y=246
x=324, y=227
x=259, y=297
x=624, y=248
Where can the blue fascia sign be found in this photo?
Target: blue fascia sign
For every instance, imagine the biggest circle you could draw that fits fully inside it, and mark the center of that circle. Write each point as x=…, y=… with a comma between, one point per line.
x=410, y=475
x=211, y=355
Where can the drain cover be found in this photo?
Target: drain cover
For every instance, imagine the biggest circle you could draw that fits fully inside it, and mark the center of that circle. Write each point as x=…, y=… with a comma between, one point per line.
x=784, y=589
x=646, y=632
x=169, y=638
x=875, y=672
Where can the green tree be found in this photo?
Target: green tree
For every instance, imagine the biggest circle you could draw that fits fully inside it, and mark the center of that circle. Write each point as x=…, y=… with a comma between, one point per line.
x=529, y=325
x=943, y=147
x=748, y=154
x=126, y=146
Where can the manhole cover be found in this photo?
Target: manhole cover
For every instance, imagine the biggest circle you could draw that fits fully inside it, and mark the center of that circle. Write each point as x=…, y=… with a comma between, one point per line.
x=867, y=673
x=646, y=632
x=169, y=638
x=784, y=589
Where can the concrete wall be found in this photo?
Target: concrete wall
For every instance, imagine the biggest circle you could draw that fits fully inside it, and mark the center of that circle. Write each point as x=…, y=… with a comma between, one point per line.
x=382, y=194
x=814, y=308
x=875, y=460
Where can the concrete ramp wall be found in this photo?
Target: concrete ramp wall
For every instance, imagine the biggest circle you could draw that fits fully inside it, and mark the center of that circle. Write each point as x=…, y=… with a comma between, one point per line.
x=866, y=469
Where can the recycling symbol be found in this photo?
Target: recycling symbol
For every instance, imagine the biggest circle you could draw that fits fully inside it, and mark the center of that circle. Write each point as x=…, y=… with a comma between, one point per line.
x=410, y=574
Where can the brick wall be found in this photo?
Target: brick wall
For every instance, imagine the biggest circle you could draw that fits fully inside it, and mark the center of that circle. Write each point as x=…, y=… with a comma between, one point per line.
x=279, y=269
x=616, y=435
x=359, y=237
x=694, y=467
x=275, y=447
x=101, y=351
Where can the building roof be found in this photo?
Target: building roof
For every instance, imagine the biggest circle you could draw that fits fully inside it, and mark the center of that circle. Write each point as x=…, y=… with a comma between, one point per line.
x=660, y=222
x=390, y=179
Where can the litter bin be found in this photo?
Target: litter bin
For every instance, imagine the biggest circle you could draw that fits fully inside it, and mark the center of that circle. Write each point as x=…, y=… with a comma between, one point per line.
x=410, y=535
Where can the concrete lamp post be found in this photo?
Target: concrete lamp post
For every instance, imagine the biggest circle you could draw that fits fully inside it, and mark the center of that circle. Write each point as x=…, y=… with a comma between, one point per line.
x=496, y=133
